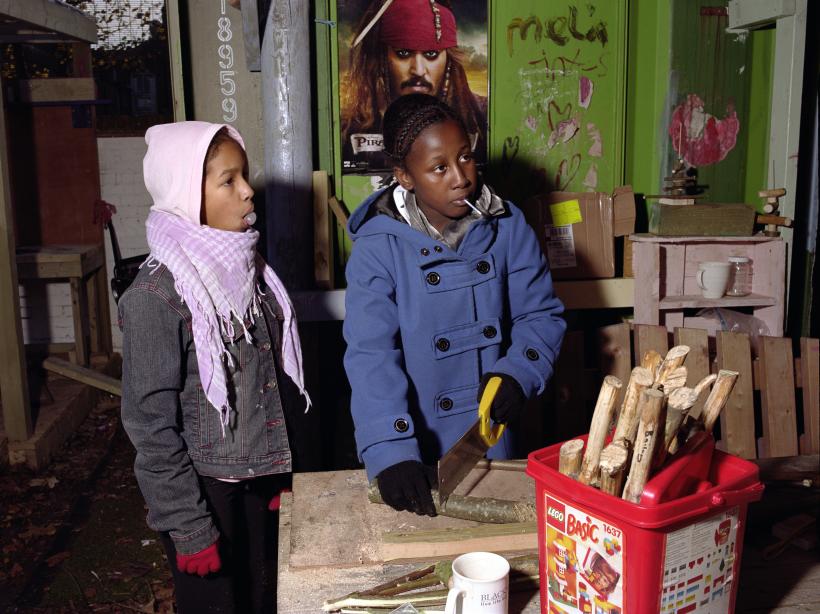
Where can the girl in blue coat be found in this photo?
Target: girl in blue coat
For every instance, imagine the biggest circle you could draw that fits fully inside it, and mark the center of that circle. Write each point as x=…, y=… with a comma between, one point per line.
x=446, y=287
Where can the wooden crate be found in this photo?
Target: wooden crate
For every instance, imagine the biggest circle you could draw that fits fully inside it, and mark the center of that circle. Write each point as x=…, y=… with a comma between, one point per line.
x=779, y=388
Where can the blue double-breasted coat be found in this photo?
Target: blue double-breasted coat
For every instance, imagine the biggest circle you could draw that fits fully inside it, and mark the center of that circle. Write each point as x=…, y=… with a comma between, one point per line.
x=424, y=322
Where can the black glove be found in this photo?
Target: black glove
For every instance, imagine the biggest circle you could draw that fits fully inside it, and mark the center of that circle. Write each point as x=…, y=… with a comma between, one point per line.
x=509, y=401
x=406, y=486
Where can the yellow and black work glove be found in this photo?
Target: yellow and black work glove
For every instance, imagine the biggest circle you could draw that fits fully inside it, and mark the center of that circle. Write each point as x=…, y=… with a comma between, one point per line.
x=406, y=486
x=509, y=401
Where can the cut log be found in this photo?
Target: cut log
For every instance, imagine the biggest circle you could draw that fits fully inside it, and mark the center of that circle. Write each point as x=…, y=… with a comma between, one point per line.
x=601, y=417
x=612, y=465
x=674, y=379
x=640, y=379
x=478, y=509
x=674, y=359
x=678, y=405
x=651, y=360
x=717, y=397
x=651, y=407
x=569, y=457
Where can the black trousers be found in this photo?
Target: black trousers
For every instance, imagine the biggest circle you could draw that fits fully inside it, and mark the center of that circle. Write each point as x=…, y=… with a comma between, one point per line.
x=247, y=548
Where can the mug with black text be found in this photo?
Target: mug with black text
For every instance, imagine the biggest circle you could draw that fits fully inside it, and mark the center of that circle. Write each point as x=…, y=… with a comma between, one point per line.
x=480, y=584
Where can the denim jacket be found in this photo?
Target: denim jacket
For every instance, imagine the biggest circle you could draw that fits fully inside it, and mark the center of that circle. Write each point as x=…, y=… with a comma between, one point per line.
x=176, y=432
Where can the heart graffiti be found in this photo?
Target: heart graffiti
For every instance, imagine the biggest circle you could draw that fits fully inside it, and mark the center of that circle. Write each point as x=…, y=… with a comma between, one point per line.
x=567, y=170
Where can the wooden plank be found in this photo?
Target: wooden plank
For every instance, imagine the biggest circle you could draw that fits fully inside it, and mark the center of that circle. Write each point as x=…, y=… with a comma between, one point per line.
x=83, y=375
x=13, y=377
x=810, y=376
x=570, y=417
x=339, y=210
x=697, y=360
x=737, y=420
x=646, y=266
x=615, y=355
x=647, y=338
x=445, y=543
x=322, y=233
x=777, y=398
x=769, y=279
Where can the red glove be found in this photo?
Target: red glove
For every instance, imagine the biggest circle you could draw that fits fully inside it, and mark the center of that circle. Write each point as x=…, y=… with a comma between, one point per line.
x=201, y=563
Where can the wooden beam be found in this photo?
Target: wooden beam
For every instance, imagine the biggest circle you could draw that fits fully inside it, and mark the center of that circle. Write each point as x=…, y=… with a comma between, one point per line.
x=13, y=377
x=52, y=16
x=83, y=375
x=57, y=89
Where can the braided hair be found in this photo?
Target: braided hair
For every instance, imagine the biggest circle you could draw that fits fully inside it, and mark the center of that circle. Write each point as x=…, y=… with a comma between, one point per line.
x=407, y=117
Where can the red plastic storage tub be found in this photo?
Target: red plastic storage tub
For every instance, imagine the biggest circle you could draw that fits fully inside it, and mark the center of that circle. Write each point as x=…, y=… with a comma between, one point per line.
x=600, y=554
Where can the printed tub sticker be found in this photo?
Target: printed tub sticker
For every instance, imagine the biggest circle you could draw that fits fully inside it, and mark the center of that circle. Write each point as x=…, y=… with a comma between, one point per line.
x=584, y=558
x=699, y=565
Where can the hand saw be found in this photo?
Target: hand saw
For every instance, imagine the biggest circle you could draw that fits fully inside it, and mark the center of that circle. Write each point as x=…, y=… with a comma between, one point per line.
x=472, y=446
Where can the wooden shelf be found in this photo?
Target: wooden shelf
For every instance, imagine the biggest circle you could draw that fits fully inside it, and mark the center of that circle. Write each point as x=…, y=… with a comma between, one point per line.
x=666, y=278
x=329, y=305
x=696, y=300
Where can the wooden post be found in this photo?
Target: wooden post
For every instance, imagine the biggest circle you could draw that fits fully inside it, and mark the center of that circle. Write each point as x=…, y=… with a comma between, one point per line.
x=13, y=376
x=601, y=418
x=627, y=426
x=569, y=457
x=612, y=466
x=717, y=397
x=652, y=409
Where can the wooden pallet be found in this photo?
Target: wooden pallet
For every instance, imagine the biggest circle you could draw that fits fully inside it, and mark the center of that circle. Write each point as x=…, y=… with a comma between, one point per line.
x=777, y=387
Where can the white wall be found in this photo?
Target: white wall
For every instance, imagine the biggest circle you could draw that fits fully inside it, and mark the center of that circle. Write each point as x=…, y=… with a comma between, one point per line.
x=122, y=185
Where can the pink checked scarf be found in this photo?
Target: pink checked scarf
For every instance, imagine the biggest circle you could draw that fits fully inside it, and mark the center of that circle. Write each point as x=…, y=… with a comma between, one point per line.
x=215, y=273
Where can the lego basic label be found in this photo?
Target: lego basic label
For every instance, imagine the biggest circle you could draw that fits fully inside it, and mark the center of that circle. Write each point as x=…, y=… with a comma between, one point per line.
x=699, y=564
x=584, y=559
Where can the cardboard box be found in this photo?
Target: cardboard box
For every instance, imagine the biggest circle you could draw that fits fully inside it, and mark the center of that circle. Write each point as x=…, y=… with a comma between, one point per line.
x=577, y=230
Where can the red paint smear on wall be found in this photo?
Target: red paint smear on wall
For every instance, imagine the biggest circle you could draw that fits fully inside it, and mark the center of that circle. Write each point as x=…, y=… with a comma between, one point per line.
x=700, y=138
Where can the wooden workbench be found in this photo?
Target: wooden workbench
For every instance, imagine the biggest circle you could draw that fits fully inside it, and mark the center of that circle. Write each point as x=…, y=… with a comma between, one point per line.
x=332, y=541
x=81, y=266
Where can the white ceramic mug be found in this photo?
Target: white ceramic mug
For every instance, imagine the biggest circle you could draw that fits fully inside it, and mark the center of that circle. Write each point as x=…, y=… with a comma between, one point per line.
x=712, y=278
x=481, y=583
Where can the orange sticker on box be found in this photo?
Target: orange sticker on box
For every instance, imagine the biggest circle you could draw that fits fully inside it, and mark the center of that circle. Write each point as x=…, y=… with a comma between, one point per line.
x=566, y=213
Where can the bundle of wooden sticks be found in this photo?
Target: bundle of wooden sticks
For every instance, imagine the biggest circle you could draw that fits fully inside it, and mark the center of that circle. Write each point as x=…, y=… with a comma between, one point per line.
x=652, y=423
